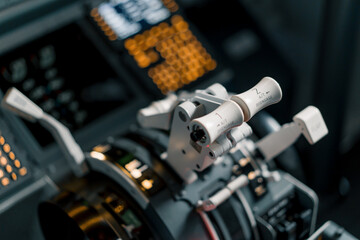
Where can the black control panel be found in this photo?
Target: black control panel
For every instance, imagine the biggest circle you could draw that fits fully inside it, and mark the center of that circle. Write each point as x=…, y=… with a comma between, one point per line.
x=92, y=64
x=66, y=76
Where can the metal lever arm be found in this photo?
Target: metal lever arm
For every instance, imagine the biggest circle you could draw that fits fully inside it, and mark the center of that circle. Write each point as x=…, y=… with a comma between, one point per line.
x=308, y=122
x=18, y=103
x=158, y=114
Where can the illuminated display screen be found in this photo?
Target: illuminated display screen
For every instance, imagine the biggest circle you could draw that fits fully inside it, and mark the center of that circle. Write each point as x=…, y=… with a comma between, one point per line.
x=165, y=46
x=178, y=58
x=128, y=17
x=66, y=76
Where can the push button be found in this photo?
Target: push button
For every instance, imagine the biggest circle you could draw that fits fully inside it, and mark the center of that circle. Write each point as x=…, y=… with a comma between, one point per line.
x=5, y=181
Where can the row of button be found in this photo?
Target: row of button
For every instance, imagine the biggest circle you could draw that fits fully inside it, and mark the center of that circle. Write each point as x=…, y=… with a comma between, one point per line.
x=10, y=166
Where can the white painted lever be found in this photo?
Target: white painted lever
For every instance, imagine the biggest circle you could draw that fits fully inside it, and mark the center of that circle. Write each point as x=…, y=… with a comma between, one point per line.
x=308, y=122
x=18, y=103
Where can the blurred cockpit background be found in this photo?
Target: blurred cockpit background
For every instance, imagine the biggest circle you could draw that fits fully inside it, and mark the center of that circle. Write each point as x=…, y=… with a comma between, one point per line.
x=312, y=48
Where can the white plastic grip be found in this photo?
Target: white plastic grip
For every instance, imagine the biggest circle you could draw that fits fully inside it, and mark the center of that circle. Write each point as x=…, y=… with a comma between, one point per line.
x=15, y=101
x=209, y=127
x=262, y=95
x=238, y=133
x=232, y=113
x=157, y=115
x=311, y=124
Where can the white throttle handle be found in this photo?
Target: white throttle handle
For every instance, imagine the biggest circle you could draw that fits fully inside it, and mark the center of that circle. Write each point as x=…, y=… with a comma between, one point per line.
x=262, y=95
x=232, y=113
x=17, y=102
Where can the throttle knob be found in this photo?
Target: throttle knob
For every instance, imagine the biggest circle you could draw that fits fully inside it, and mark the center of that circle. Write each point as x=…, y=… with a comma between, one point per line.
x=232, y=113
x=262, y=95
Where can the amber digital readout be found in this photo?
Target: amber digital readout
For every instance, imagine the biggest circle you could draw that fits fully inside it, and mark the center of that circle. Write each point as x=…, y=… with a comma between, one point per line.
x=170, y=52
x=179, y=57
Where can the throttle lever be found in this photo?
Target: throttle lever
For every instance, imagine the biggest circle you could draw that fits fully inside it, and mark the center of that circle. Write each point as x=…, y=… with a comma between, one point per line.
x=232, y=113
x=309, y=122
x=19, y=104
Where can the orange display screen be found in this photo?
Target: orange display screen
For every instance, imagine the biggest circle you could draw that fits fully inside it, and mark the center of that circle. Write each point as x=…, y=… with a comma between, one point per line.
x=167, y=49
x=174, y=54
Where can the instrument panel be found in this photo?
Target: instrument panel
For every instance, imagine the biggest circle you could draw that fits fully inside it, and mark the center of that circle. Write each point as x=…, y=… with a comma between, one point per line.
x=73, y=63
x=163, y=48
x=61, y=75
x=91, y=65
